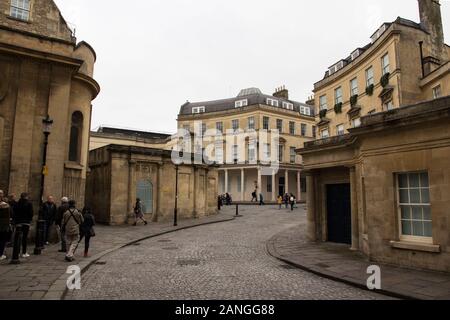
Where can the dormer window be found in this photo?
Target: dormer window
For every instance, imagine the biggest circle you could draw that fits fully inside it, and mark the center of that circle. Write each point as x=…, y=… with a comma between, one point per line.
x=272, y=102
x=305, y=110
x=379, y=33
x=20, y=9
x=196, y=110
x=241, y=103
x=288, y=105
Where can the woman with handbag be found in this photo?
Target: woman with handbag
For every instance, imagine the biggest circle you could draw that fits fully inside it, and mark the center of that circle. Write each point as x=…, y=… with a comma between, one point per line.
x=5, y=227
x=87, y=229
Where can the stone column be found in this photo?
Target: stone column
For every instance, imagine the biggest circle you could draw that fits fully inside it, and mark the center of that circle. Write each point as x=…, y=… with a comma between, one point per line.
x=286, y=180
x=299, y=186
x=242, y=185
x=311, y=223
x=259, y=182
x=274, y=194
x=131, y=184
x=226, y=180
x=354, y=205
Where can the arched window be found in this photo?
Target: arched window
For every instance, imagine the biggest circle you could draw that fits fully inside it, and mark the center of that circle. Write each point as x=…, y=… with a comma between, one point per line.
x=76, y=131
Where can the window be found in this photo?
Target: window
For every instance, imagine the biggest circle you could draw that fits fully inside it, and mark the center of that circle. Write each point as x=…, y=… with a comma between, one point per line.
x=314, y=131
x=76, y=131
x=198, y=110
x=219, y=152
x=323, y=103
x=356, y=122
x=324, y=133
x=389, y=105
x=266, y=151
x=280, y=153
x=437, y=92
x=269, y=185
x=354, y=87
x=369, y=77
x=235, y=125
x=20, y=9
x=280, y=125
x=203, y=129
x=251, y=123
x=235, y=153
x=238, y=183
x=338, y=95
x=251, y=152
x=373, y=111
x=340, y=130
x=219, y=127
x=414, y=205
x=303, y=129
x=385, y=64
x=241, y=103
x=305, y=110
x=288, y=105
x=266, y=121
x=272, y=102
x=292, y=154
x=291, y=128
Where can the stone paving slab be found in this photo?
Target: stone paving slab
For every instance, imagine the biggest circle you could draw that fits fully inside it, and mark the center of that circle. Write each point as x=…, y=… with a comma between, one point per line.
x=44, y=277
x=338, y=262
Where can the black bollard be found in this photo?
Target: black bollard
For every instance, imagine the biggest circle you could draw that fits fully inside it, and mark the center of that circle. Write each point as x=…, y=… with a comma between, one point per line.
x=40, y=234
x=237, y=210
x=17, y=244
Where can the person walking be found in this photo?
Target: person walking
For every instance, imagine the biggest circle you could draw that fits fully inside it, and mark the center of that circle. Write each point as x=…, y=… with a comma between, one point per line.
x=58, y=221
x=254, y=196
x=292, y=201
x=261, y=200
x=49, y=211
x=138, y=213
x=5, y=227
x=71, y=222
x=87, y=229
x=23, y=215
x=286, y=200
x=280, y=202
x=228, y=199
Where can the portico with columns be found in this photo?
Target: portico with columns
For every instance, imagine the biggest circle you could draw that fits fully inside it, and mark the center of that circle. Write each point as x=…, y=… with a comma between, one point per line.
x=241, y=181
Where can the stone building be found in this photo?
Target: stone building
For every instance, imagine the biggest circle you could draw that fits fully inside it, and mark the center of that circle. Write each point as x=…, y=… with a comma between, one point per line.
x=119, y=174
x=43, y=71
x=381, y=185
x=252, y=112
x=404, y=63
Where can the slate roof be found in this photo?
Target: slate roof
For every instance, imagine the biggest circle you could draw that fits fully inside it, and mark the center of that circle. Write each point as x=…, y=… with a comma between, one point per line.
x=133, y=133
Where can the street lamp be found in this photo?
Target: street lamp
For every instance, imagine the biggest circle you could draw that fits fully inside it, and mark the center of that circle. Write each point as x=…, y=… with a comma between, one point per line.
x=175, y=211
x=40, y=225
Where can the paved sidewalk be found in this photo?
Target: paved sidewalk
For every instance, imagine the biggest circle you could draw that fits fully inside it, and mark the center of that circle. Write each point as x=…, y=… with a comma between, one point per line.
x=44, y=277
x=338, y=263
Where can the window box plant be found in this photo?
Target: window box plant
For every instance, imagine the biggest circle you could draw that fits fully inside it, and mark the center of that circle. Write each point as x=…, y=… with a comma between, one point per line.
x=323, y=113
x=369, y=90
x=354, y=100
x=338, y=107
x=385, y=80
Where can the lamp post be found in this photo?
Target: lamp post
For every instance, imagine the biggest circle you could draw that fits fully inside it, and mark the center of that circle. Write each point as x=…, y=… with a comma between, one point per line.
x=40, y=225
x=175, y=211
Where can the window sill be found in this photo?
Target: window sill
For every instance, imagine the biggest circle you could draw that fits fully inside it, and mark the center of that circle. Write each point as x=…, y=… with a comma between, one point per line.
x=73, y=165
x=17, y=19
x=416, y=246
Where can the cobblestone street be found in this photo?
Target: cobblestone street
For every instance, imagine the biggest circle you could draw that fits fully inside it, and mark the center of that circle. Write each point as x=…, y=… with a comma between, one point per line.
x=221, y=261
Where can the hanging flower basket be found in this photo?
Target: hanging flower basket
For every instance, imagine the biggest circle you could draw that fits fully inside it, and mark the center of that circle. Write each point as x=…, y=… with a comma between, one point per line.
x=354, y=100
x=323, y=113
x=338, y=107
x=369, y=90
x=385, y=80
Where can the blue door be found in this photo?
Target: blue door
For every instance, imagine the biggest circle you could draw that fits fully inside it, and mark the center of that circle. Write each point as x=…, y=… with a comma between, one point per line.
x=144, y=191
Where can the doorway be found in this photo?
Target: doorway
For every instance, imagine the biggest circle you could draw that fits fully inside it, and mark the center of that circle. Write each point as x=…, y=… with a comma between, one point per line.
x=339, y=216
x=144, y=191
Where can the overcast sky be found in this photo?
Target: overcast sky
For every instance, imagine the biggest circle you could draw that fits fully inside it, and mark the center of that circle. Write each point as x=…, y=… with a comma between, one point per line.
x=153, y=55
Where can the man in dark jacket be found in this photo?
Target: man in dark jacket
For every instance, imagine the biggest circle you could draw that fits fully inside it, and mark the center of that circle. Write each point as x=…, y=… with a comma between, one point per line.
x=49, y=215
x=23, y=215
x=58, y=221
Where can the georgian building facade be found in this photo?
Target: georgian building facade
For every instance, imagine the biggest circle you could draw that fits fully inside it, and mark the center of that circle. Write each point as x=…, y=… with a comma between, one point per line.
x=44, y=72
x=252, y=112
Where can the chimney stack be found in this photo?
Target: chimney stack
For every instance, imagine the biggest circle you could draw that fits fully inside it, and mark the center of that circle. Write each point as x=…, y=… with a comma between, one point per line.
x=431, y=21
x=282, y=93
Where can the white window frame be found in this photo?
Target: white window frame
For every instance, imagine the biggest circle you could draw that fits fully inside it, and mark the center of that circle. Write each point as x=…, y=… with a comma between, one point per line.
x=20, y=10
x=338, y=99
x=323, y=104
x=305, y=131
x=292, y=126
x=356, y=122
x=251, y=123
x=369, y=77
x=218, y=152
x=305, y=110
x=354, y=87
x=251, y=152
x=292, y=156
x=241, y=103
x=219, y=127
x=266, y=151
x=389, y=105
x=272, y=102
x=197, y=110
x=435, y=89
x=288, y=105
x=233, y=122
x=282, y=123
x=427, y=240
x=340, y=132
x=264, y=123
x=385, y=65
x=325, y=133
